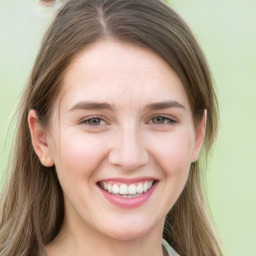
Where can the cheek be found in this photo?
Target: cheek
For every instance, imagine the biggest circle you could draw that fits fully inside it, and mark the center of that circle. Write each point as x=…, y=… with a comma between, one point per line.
x=78, y=154
x=173, y=153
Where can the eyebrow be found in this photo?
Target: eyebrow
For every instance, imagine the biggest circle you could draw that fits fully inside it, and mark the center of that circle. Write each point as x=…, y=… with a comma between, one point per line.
x=92, y=105
x=102, y=105
x=164, y=105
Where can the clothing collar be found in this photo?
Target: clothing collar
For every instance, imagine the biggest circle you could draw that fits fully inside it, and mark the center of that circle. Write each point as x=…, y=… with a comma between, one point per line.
x=169, y=249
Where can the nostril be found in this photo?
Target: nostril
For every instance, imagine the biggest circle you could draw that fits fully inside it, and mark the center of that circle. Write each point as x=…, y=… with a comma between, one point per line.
x=128, y=149
x=128, y=160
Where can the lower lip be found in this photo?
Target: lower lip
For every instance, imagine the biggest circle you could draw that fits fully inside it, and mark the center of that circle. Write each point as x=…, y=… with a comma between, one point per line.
x=129, y=202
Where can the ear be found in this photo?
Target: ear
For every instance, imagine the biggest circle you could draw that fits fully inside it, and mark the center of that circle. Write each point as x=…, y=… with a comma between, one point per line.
x=200, y=128
x=39, y=139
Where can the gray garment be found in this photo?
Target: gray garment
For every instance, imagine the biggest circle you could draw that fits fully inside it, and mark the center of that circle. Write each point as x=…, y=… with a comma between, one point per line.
x=169, y=249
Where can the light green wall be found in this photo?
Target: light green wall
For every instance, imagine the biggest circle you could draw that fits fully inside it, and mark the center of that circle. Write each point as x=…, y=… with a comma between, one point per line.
x=227, y=32
x=226, y=29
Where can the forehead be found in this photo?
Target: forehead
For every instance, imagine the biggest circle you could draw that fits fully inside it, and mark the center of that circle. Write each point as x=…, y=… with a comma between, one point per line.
x=122, y=73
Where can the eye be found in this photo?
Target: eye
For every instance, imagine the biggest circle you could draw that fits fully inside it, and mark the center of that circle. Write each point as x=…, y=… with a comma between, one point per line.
x=94, y=121
x=162, y=120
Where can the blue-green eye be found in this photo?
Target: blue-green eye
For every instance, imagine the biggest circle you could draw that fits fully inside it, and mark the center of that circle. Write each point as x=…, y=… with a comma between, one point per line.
x=161, y=120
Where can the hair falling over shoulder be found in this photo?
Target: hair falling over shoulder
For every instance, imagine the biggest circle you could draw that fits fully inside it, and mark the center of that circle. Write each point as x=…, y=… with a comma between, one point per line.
x=32, y=208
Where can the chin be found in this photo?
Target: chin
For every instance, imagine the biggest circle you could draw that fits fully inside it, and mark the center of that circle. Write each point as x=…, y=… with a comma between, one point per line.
x=128, y=234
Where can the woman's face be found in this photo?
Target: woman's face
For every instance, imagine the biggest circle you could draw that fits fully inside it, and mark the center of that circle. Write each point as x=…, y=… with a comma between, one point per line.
x=122, y=139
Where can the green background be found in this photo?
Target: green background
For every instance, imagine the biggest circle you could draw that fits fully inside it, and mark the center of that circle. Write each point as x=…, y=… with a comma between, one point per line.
x=226, y=30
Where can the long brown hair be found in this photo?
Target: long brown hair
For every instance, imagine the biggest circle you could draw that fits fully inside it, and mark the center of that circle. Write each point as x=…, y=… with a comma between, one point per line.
x=32, y=208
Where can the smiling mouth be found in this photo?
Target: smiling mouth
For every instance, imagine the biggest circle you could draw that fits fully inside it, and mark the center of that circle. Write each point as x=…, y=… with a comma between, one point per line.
x=127, y=191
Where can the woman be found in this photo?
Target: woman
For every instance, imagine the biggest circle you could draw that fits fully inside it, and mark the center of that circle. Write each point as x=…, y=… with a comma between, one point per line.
x=119, y=104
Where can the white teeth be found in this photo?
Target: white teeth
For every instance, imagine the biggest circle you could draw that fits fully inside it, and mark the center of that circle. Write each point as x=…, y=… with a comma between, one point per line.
x=127, y=191
x=115, y=189
x=145, y=188
x=105, y=185
x=132, y=189
x=109, y=188
x=123, y=190
x=139, y=189
x=131, y=196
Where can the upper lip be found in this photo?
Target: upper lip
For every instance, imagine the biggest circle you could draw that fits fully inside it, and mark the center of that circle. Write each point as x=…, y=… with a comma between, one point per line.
x=128, y=181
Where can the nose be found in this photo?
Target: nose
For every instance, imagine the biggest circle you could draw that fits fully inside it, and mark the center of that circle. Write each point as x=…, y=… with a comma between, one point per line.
x=128, y=150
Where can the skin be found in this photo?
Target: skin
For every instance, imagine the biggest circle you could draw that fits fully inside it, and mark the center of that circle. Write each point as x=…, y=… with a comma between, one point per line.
x=47, y=3
x=128, y=140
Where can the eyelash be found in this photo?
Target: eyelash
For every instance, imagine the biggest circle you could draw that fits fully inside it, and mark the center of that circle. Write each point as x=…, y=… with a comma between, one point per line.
x=99, y=118
x=166, y=121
